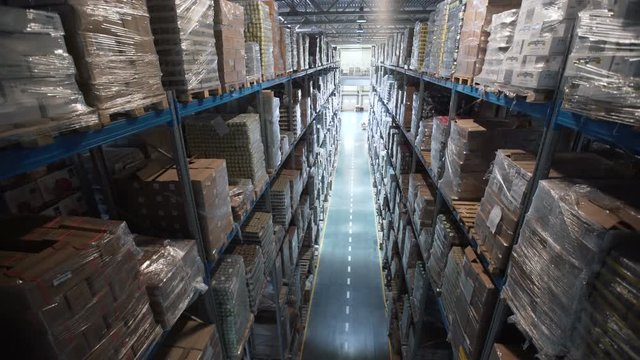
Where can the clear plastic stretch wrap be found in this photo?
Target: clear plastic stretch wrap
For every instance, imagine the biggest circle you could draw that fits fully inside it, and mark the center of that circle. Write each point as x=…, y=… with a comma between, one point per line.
x=71, y=289
x=445, y=236
x=270, y=123
x=112, y=47
x=258, y=28
x=455, y=13
x=285, y=34
x=475, y=33
x=437, y=38
x=280, y=195
x=173, y=273
x=255, y=272
x=502, y=29
x=607, y=325
x=259, y=230
x=183, y=36
x=37, y=77
x=541, y=39
x=439, y=139
x=468, y=297
x=231, y=297
x=603, y=71
x=253, y=61
x=566, y=234
x=230, y=43
x=241, y=196
x=419, y=47
x=238, y=141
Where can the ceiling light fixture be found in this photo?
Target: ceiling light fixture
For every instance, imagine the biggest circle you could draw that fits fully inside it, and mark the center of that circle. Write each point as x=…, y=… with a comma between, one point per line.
x=361, y=19
x=360, y=29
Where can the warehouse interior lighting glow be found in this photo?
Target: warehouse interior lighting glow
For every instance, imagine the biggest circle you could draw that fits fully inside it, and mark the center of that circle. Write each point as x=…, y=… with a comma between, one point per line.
x=360, y=29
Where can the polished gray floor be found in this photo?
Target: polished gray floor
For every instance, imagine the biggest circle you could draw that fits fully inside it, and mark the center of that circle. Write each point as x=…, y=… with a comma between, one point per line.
x=347, y=318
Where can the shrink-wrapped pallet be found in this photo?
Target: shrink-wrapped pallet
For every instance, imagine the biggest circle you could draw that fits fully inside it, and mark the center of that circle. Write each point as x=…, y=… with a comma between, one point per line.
x=253, y=62
x=230, y=44
x=183, y=36
x=38, y=90
x=231, y=297
x=71, y=289
x=603, y=80
x=173, y=274
x=569, y=229
x=112, y=47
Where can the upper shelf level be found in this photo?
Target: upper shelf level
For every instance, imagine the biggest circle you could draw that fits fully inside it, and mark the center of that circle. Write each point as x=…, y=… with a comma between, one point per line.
x=15, y=161
x=616, y=134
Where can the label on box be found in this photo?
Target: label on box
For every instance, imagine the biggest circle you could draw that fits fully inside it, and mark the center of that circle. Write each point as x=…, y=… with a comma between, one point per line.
x=494, y=218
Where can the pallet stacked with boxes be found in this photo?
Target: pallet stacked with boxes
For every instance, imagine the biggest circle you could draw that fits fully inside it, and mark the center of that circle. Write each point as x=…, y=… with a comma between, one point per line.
x=230, y=45
x=137, y=78
x=122, y=79
x=522, y=191
x=183, y=36
x=258, y=28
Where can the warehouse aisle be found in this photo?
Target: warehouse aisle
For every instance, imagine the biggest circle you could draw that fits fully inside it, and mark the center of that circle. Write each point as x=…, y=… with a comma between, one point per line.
x=347, y=318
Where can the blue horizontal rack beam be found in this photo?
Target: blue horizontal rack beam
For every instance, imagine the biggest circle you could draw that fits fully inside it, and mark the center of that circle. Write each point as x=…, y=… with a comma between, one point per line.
x=498, y=280
x=623, y=136
x=15, y=161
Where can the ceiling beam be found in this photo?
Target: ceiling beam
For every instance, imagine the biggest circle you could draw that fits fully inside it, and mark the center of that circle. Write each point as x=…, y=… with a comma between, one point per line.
x=405, y=22
x=405, y=13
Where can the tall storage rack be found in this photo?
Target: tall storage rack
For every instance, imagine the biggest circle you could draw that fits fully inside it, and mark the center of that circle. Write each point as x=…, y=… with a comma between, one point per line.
x=18, y=160
x=554, y=119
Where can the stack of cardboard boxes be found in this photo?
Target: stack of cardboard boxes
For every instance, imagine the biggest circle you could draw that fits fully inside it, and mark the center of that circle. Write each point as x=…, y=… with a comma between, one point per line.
x=229, y=35
x=540, y=42
x=475, y=34
x=470, y=150
x=183, y=36
x=71, y=289
x=155, y=203
x=255, y=272
x=112, y=47
x=569, y=228
x=468, y=296
x=37, y=77
x=438, y=23
x=270, y=122
x=502, y=28
x=192, y=339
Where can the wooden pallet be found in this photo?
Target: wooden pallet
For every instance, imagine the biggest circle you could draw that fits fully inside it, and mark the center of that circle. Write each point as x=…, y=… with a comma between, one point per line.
x=40, y=132
x=467, y=211
x=107, y=116
x=463, y=80
x=199, y=94
x=538, y=96
x=230, y=87
x=267, y=78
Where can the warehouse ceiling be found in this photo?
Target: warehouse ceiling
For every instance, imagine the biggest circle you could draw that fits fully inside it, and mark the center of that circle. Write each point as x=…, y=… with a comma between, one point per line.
x=341, y=20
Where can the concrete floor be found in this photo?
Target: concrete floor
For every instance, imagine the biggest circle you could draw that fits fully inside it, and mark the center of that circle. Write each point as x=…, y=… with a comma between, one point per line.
x=347, y=316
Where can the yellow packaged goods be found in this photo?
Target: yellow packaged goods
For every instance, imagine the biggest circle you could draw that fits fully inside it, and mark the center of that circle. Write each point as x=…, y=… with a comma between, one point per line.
x=258, y=28
x=229, y=34
x=112, y=47
x=71, y=289
x=183, y=35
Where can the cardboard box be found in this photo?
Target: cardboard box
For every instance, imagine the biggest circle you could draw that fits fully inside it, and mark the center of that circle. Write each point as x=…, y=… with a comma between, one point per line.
x=26, y=199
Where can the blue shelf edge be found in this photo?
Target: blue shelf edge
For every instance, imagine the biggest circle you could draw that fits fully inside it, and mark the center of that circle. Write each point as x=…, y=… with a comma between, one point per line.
x=619, y=135
x=18, y=160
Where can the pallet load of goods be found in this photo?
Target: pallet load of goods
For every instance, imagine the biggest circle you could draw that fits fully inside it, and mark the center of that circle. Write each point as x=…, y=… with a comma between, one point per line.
x=183, y=36
x=230, y=45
